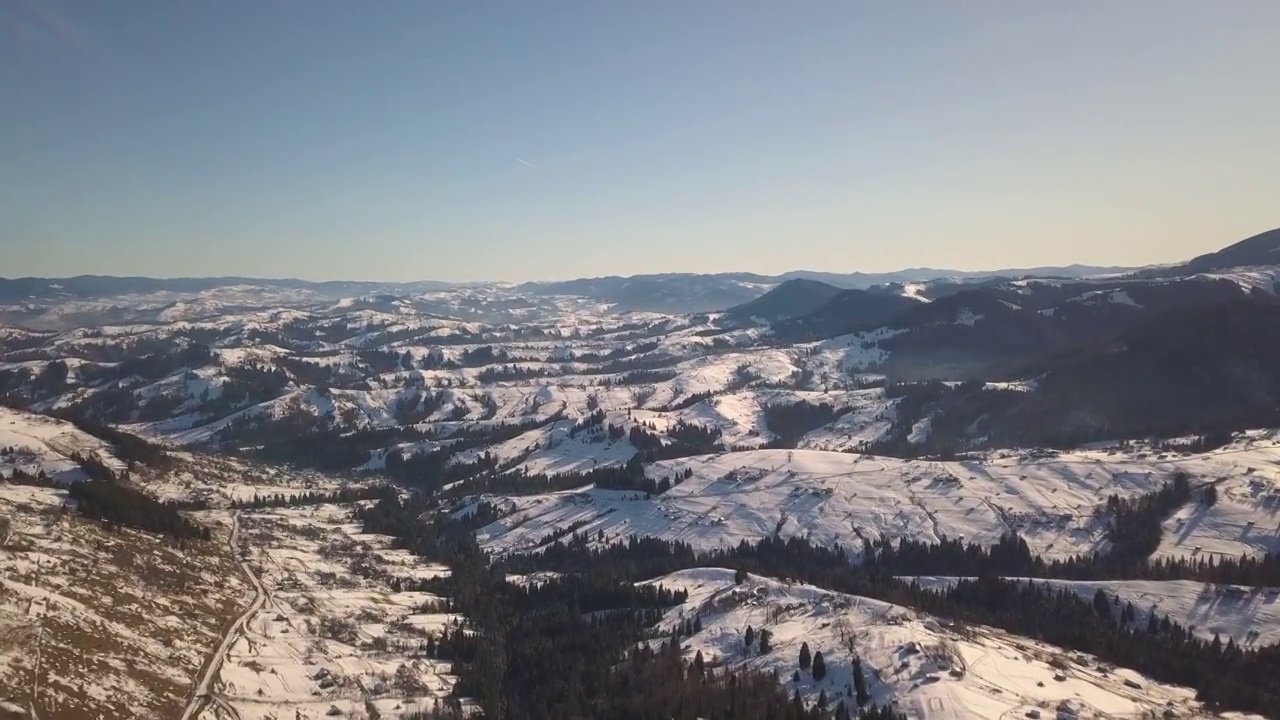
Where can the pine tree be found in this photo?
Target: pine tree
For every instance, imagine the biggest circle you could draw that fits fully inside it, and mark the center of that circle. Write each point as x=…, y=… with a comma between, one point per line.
x=821, y=707
x=805, y=658
x=860, y=683
x=819, y=667
x=766, y=645
x=699, y=665
x=1101, y=604
x=750, y=637
x=842, y=712
x=697, y=624
x=740, y=576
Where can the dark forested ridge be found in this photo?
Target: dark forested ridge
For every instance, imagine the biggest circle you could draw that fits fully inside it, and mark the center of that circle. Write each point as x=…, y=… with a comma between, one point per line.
x=120, y=504
x=1260, y=249
x=1206, y=371
x=793, y=298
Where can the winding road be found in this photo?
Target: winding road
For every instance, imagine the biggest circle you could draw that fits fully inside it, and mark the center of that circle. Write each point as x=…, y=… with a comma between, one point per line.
x=203, y=691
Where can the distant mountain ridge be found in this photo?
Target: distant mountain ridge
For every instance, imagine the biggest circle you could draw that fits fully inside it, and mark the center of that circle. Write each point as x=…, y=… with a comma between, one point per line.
x=792, y=298
x=1258, y=250
x=846, y=312
x=663, y=292
x=223, y=365
x=860, y=280
x=613, y=287
x=98, y=286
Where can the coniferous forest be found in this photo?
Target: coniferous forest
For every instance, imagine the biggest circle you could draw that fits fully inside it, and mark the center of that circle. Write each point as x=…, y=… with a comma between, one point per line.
x=597, y=651
x=581, y=646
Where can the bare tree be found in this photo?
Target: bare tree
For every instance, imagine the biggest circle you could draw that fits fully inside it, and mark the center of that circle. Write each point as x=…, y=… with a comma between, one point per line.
x=848, y=639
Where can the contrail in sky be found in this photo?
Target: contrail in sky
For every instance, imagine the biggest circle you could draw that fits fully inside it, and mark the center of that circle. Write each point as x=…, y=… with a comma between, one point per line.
x=526, y=162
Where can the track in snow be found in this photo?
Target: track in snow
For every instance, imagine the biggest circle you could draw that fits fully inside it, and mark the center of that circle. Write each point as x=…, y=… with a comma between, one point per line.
x=203, y=692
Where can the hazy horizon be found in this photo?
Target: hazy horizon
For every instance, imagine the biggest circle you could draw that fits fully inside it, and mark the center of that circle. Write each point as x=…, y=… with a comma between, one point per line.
x=566, y=278
x=558, y=140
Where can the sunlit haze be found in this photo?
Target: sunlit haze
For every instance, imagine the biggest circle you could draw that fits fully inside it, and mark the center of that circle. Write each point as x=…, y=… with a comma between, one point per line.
x=527, y=140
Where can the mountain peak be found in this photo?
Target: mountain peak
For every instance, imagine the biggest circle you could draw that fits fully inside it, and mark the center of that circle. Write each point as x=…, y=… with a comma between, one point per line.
x=1257, y=250
x=791, y=298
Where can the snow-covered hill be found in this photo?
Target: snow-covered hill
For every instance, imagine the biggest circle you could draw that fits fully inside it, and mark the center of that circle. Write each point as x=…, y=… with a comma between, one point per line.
x=36, y=444
x=1246, y=615
x=98, y=622
x=926, y=668
x=1053, y=501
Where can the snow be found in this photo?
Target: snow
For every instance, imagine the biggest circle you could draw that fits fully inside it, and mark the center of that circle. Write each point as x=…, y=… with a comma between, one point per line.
x=318, y=567
x=915, y=291
x=920, y=664
x=1122, y=297
x=837, y=498
x=1261, y=279
x=1250, y=616
x=920, y=431
x=870, y=418
x=1118, y=297
x=42, y=443
x=331, y=632
x=848, y=354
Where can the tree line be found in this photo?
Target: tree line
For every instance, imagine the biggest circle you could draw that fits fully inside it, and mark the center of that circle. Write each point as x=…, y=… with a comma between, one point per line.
x=579, y=646
x=123, y=505
x=1226, y=676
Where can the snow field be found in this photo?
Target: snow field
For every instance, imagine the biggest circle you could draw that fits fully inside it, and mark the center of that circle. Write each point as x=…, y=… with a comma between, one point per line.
x=46, y=444
x=332, y=633
x=1051, y=499
x=926, y=668
x=1250, y=616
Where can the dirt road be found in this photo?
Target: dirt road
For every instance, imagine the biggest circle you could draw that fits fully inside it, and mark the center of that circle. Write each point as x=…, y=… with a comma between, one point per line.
x=203, y=691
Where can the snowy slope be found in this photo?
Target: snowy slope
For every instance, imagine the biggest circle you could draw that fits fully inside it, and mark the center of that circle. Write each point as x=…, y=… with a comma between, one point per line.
x=1250, y=616
x=38, y=443
x=120, y=620
x=840, y=498
x=921, y=665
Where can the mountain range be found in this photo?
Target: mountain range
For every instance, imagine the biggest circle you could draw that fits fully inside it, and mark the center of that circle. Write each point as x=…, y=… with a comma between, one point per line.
x=935, y=496
x=58, y=303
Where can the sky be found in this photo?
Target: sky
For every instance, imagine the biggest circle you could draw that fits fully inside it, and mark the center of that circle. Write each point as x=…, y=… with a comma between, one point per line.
x=476, y=140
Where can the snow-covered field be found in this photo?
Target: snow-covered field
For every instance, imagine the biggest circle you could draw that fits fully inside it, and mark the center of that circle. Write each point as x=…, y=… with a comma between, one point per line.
x=219, y=480
x=36, y=443
x=330, y=632
x=926, y=668
x=834, y=498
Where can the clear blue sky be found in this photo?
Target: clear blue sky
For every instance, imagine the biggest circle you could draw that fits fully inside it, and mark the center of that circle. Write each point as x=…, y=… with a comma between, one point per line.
x=452, y=139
